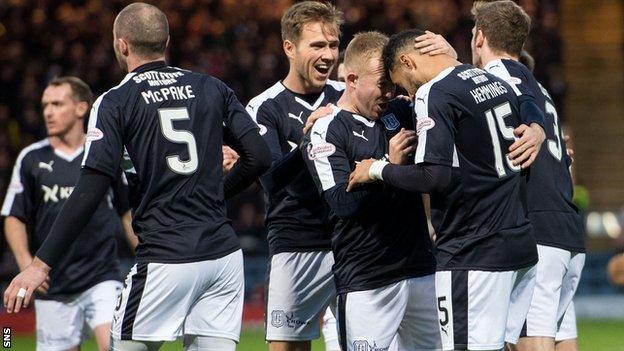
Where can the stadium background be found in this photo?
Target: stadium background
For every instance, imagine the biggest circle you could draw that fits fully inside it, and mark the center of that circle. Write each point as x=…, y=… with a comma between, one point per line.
x=578, y=47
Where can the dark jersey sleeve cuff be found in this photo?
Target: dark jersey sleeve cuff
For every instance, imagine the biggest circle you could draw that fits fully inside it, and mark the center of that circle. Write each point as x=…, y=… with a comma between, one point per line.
x=531, y=113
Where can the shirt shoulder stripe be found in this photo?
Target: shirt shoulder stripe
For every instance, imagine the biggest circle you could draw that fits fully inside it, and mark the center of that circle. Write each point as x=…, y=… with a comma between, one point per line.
x=16, y=187
x=318, y=137
x=94, y=113
x=254, y=104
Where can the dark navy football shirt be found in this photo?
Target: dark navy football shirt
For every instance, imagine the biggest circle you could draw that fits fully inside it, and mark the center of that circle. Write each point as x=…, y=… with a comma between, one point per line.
x=386, y=239
x=171, y=122
x=549, y=184
x=296, y=215
x=43, y=178
x=465, y=120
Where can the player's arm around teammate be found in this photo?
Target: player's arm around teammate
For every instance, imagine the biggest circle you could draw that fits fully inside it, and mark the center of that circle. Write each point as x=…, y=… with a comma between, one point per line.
x=530, y=135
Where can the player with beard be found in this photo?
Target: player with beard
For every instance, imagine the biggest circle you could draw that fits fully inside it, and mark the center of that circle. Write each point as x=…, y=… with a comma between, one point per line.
x=484, y=242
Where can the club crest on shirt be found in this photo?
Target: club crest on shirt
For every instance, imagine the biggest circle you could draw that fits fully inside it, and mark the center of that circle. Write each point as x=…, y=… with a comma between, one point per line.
x=94, y=134
x=320, y=150
x=390, y=121
x=423, y=124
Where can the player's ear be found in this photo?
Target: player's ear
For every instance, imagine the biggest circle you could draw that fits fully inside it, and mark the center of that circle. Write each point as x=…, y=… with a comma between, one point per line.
x=289, y=49
x=479, y=38
x=81, y=109
x=122, y=46
x=351, y=79
x=406, y=61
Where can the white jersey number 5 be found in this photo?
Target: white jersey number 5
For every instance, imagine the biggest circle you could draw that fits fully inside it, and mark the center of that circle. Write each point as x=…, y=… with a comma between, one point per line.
x=166, y=117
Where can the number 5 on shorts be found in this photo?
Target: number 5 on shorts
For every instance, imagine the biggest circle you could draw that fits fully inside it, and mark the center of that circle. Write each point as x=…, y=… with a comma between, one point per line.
x=443, y=321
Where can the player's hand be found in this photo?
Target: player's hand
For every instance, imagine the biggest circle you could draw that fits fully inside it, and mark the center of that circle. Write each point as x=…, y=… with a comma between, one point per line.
x=524, y=150
x=27, y=281
x=27, y=260
x=434, y=44
x=318, y=113
x=615, y=269
x=401, y=145
x=229, y=158
x=44, y=287
x=569, y=149
x=360, y=174
x=404, y=98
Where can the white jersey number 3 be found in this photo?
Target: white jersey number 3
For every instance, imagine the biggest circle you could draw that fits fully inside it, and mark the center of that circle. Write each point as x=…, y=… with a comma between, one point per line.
x=166, y=117
x=554, y=146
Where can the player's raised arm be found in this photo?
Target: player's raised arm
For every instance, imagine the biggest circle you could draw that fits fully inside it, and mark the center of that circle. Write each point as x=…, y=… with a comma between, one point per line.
x=434, y=44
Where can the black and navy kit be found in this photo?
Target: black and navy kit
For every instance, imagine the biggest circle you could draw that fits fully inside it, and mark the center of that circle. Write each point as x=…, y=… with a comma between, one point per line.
x=296, y=215
x=399, y=114
x=549, y=184
x=465, y=120
x=43, y=178
x=381, y=234
x=172, y=124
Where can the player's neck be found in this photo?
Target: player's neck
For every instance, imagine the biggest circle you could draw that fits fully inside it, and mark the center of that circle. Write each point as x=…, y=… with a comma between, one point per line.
x=134, y=62
x=347, y=103
x=295, y=83
x=69, y=142
x=436, y=66
x=490, y=56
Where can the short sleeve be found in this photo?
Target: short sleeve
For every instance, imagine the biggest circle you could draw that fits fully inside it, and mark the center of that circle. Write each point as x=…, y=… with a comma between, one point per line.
x=434, y=128
x=104, y=145
x=19, y=200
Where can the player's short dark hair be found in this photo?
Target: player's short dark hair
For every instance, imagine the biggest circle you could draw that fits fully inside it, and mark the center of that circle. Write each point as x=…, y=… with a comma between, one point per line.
x=526, y=59
x=304, y=12
x=80, y=90
x=396, y=45
x=145, y=28
x=505, y=25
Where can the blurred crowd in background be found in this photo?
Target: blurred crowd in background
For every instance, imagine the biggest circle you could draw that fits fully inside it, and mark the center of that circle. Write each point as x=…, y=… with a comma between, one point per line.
x=237, y=41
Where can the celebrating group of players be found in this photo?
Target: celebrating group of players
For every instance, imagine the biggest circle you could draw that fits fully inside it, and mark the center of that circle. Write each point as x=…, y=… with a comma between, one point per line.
x=346, y=220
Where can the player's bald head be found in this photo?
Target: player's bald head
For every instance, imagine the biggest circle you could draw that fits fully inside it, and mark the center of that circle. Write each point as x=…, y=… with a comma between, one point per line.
x=398, y=44
x=144, y=27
